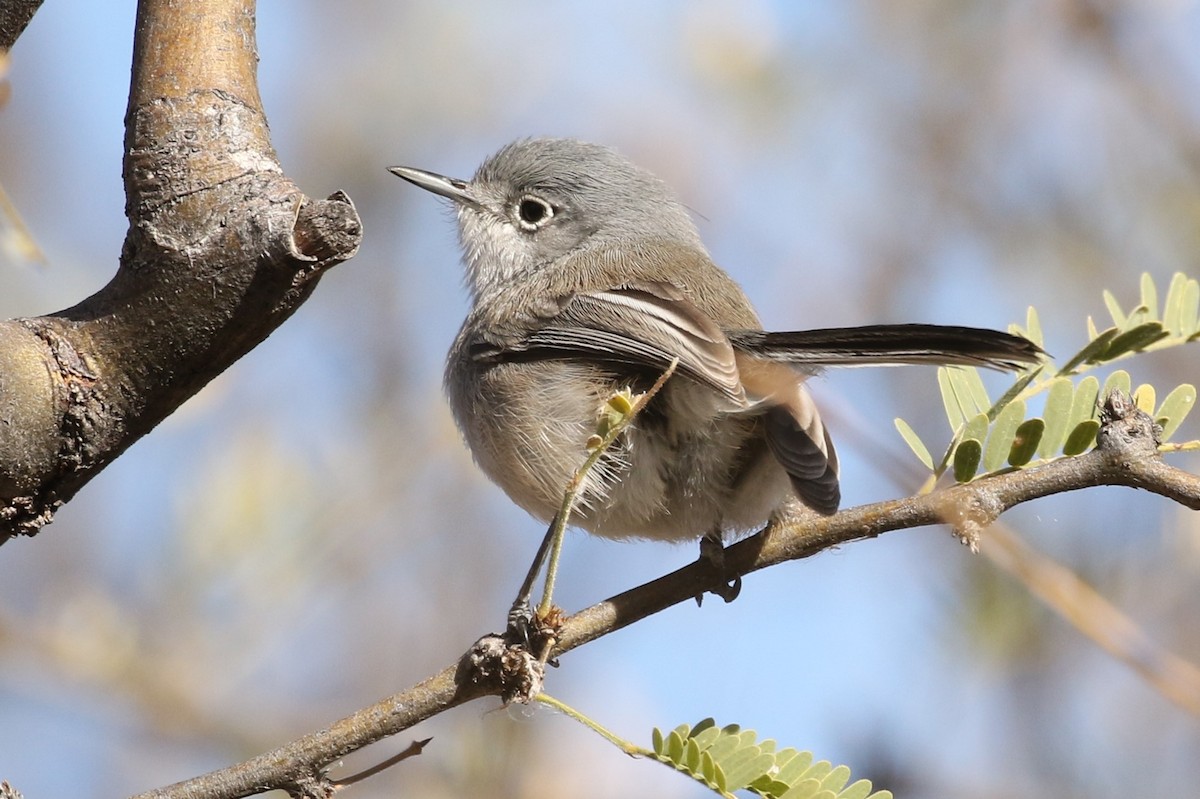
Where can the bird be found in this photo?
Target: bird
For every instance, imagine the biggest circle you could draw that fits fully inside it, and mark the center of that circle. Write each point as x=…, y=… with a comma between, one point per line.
x=588, y=276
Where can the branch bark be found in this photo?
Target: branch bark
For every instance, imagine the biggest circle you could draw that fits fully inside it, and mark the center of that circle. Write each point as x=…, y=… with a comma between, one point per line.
x=14, y=16
x=222, y=248
x=1126, y=455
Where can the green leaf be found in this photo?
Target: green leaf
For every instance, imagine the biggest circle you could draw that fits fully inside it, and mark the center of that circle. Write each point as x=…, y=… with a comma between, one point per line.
x=972, y=384
x=1117, y=381
x=675, y=747
x=1057, y=414
x=955, y=414
x=747, y=769
x=1149, y=296
x=1013, y=392
x=818, y=770
x=704, y=734
x=1004, y=430
x=794, y=768
x=860, y=789
x=768, y=787
x=965, y=388
x=1083, y=406
x=1025, y=442
x=977, y=428
x=914, y=442
x=1175, y=408
x=1033, y=327
x=712, y=773
x=1138, y=316
x=1172, y=317
x=1114, y=309
x=1091, y=352
x=728, y=760
x=1189, y=313
x=1144, y=397
x=967, y=455
x=1134, y=339
x=836, y=779
x=691, y=755
x=725, y=745
x=805, y=789
x=1081, y=438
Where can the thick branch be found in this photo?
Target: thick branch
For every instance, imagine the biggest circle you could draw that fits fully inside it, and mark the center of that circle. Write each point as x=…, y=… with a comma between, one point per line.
x=221, y=249
x=1126, y=455
x=14, y=16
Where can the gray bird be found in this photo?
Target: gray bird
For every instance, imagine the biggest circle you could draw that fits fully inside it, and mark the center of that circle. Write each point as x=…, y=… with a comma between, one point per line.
x=588, y=276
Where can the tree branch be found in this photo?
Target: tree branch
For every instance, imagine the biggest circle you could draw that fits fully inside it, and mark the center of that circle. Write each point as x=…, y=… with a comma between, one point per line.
x=221, y=249
x=14, y=17
x=1126, y=455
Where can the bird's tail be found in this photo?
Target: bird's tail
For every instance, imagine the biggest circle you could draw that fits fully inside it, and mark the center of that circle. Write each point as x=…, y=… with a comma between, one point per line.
x=883, y=345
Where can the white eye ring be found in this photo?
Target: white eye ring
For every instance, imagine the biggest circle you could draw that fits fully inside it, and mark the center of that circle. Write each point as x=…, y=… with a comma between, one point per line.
x=533, y=212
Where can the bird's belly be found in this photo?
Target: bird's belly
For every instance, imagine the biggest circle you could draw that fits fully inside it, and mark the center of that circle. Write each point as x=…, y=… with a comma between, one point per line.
x=528, y=423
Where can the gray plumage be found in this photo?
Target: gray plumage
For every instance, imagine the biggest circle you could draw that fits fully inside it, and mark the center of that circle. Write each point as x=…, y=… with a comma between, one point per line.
x=588, y=276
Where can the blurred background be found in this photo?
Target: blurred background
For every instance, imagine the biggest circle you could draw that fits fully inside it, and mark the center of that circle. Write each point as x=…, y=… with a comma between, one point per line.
x=308, y=535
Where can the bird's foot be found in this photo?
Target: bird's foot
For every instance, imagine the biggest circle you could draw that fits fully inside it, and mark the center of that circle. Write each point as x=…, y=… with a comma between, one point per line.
x=712, y=552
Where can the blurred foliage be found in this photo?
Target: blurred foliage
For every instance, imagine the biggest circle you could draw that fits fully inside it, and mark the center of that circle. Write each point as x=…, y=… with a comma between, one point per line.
x=15, y=239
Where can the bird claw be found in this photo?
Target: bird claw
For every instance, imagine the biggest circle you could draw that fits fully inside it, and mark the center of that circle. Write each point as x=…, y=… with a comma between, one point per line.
x=712, y=552
x=520, y=624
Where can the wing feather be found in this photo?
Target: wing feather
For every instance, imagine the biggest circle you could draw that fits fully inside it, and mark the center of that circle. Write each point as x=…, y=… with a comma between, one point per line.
x=643, y=325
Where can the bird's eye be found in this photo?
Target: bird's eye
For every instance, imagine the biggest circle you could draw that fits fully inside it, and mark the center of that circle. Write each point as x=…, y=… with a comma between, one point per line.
x=533, y=212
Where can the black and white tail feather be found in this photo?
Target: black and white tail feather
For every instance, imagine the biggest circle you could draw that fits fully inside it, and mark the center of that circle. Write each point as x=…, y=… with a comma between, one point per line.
x=884, y=345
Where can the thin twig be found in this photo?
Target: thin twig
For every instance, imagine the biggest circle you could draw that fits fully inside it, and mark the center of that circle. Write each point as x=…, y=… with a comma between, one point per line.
x=412, y=750
x=572, y=493
x=628, y=747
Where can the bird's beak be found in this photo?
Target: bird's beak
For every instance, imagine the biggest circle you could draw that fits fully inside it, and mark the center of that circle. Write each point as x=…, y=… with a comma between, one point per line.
x=457, y=190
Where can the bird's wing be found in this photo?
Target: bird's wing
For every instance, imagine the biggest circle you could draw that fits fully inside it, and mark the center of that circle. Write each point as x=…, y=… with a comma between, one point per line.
x=642, y=325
